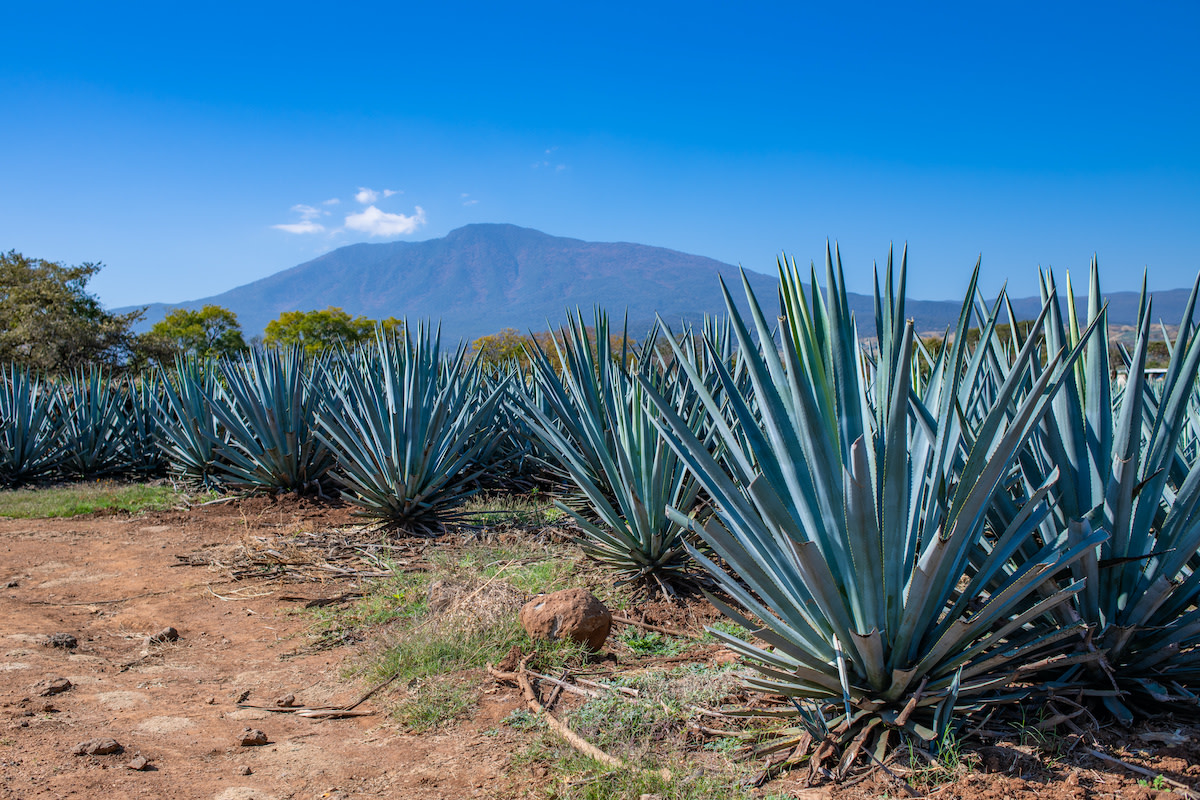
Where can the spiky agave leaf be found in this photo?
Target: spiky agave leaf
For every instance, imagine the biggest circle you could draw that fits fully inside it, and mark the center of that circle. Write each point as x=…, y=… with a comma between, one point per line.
x=29, y=426
x=853, y=538
x=1121, y=472
x=143, y=457
x=267, y=407
x=511, y=456
x=402, y=423
x=95, y=424
x=601, y=433
x=188, y=432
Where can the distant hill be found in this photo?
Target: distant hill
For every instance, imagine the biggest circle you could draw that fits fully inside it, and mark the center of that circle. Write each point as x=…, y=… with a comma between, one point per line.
x=481, y=278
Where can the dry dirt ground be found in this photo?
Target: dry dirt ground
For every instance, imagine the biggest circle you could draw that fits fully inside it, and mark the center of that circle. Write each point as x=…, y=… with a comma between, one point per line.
x=112, y=581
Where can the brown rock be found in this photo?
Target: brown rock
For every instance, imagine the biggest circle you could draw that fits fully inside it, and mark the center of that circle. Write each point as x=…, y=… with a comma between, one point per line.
x=245, y=771
x=56, y=686
x=97, y=747
x=570, y=613
x=287, y=701
x=252, y=737
x=139, y=763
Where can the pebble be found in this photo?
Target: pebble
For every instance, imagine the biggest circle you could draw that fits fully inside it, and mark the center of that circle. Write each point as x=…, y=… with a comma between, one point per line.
x=56, y=686
x=97, y=747
x=252, y=737
x=287, y=701
x=245, y=771
x=138, y=763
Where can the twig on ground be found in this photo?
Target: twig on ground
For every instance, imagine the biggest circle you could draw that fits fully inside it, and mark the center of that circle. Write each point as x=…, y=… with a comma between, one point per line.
x=521, y=678
x=1187, y=790
x=327, y=712
x=654, y=628
x=319, y=602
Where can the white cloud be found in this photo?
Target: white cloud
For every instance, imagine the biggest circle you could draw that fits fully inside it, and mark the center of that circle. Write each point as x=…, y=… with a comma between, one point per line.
x=374, y=222
x=333, y=201
x=367, y=196
x=307, y=212
x=307, y=226
x=467, y=200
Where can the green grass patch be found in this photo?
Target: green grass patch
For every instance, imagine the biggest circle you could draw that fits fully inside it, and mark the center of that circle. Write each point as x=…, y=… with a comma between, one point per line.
x=511, y=511
x=729, y=628
x=649, y=732
x=601, y=782
x=433, y=626
x=434, y=702
x=85, y=498
x=524, y=565
x=646, y=643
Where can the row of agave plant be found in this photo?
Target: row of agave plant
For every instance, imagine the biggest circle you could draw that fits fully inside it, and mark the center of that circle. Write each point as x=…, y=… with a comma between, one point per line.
x=908, y=536
x=85, y=426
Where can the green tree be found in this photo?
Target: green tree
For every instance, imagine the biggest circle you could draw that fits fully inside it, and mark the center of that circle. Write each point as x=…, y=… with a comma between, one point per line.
x=211, y=331
x=317, y=330
x=49, y=321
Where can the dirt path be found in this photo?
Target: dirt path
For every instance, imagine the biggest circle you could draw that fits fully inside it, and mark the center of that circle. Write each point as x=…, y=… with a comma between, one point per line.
x=111, y=582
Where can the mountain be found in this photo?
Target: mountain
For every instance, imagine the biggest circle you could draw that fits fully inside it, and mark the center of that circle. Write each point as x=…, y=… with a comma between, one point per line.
x=481, y=278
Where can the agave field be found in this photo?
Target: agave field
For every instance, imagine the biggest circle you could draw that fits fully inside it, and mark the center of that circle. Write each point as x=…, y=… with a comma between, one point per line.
x=909, y=539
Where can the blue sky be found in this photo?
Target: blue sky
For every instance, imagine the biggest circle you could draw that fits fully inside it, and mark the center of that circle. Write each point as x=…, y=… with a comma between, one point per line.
x=172, y=143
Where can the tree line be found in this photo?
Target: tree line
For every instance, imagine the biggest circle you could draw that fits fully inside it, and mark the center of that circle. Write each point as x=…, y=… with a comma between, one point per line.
x=51, y=322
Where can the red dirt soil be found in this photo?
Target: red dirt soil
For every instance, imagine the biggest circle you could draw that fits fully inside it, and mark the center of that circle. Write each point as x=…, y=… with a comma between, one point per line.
x=111, y=581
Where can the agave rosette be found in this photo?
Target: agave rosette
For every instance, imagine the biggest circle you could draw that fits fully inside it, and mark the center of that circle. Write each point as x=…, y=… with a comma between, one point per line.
x=188, y=432
x=851, y=532
x=402, y=422
x=600, y=432
x=266, y=406
x=95, y=424
x=29, y=426
x=1121, y=471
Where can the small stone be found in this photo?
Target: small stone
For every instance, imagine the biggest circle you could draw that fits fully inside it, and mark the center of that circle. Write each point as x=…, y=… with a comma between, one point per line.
x=56, y=686
x=138, y=763
x=63, y=640
x=252, y=737
x=287, y=701
x=12, y=585
x=97, y=747
x=212, y=701
x=571, y=613
x=245, y=771
x=24, y=723
x=49, y=708
x=167, y=634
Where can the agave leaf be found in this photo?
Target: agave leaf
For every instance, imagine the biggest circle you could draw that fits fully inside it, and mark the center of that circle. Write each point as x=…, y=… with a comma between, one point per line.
x=30, y=436
x=403, y=424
